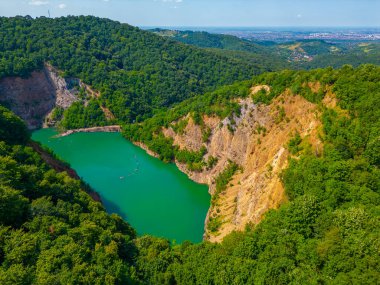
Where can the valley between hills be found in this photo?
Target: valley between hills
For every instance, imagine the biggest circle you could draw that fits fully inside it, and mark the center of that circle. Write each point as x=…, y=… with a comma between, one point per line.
x=290, y=155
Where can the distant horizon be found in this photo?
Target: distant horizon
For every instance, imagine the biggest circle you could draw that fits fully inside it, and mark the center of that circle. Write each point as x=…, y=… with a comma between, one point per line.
x=263, y=27
x=209, y=13
x=205, y=26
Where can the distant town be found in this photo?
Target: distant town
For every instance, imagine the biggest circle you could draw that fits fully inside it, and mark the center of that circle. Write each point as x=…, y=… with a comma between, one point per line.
x=283, y=34
x=290, y=36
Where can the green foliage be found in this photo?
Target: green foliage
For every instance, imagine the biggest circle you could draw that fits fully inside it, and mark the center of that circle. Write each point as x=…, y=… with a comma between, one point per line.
x=261, y=130
x=13, y=206
x=163, y=147
x=80, y=116
x=136, y=72
x=225, y=177
x=211, y=162
x=197, y=118
x=51, y=231
x=217, y=103
x=262, y=96
x=193, y=159
x=206, y=133
x=294, y=144
x=12, y=128
x=180, y=127
x=329, y=231
x=353, y=53
x=277, y=56
x=57, y=113
x=262, y=57
x=281, y=115
x=214, y=224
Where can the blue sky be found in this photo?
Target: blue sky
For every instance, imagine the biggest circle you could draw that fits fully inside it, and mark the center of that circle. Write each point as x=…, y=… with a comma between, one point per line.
x=226, y=13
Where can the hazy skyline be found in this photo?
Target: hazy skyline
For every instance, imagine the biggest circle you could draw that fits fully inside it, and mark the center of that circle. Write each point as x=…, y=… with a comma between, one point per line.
x=226, y=13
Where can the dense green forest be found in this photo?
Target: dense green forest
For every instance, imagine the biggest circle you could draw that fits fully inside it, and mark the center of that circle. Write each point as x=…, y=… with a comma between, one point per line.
x=51, y=232
x=302, y=54
x=265, y=57
x=353, y=54
x=137, y=72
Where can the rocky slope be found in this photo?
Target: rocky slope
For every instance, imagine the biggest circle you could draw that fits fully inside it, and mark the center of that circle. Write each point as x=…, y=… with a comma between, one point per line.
x=33, y=98
x=258, y=143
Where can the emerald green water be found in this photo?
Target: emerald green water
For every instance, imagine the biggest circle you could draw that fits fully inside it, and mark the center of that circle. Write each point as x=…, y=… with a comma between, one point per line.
x=154, y=197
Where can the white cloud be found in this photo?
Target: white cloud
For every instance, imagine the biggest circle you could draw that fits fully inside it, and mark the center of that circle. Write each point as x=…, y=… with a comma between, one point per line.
x=62, y=6
x=38, y=2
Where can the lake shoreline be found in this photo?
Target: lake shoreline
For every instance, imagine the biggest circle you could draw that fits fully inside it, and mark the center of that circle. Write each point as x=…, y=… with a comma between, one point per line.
x=154, y=197
x=61, y=166
x=104, y=129
x=117, y=128
x=182, y=169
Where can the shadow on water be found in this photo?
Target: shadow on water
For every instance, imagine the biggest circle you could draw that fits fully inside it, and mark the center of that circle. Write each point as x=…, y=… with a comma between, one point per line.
x=113, y=208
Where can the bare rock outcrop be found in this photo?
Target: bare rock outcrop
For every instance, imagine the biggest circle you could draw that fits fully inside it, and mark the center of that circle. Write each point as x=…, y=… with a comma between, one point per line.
x=258, y=143
x=33, y=98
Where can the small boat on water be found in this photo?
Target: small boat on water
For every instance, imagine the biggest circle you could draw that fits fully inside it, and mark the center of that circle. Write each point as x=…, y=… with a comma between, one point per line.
x=122, y=177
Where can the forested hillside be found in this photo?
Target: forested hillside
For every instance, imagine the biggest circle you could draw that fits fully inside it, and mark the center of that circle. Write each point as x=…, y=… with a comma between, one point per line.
x=264, y=57
x=302, y=54
x=328, y=232
x=52, y=232
x=354, y=54
x=135, y=71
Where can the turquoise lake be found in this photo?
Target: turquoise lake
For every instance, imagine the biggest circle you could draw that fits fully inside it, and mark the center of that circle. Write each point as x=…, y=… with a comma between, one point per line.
x=154, y=197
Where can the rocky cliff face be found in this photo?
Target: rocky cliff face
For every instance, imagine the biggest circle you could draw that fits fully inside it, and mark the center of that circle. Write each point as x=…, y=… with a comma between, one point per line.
x=35, y=97
x=258, y=143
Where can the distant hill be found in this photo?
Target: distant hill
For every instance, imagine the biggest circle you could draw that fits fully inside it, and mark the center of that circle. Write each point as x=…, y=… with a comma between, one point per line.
x=353, y=53
x=208, y=40
x=249, y=51
x=135, y=71
x=300, y=54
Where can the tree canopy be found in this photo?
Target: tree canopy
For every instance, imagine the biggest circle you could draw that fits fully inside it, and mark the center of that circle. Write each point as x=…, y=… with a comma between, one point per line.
x=136, y=72
x=52, y=232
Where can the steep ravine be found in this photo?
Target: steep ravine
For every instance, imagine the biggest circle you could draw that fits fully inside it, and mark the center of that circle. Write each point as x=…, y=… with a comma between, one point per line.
x=35, y=97
x=259, y=145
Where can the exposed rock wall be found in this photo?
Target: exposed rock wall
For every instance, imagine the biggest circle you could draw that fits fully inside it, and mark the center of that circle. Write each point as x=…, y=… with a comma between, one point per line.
x=64, y=95
x=33, y=98
x=258, y=144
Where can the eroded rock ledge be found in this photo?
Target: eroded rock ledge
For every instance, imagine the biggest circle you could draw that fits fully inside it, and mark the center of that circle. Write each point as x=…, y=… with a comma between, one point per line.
x=107, y=129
